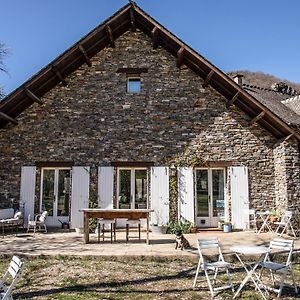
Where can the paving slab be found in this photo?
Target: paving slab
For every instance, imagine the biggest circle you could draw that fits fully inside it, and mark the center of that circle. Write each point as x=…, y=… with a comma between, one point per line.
x=161, y=245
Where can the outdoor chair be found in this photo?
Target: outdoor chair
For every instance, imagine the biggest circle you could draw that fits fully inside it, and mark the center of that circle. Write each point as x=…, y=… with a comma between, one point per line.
x=251, y=221
x=131, y=223
x=102, y=223
x=38, y=222
x=10, y=278
x=285, y=223
x=211, y=245
x=275, y=265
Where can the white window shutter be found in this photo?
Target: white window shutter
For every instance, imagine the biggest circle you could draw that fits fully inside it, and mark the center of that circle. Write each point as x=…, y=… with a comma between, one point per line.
x=159, y=183
x=186, y=207
x=27, y=192
x=239, y=197
x=80, y=194
x=105, y=187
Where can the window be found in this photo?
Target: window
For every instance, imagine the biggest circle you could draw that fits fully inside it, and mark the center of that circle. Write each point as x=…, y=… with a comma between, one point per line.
x=133, y=84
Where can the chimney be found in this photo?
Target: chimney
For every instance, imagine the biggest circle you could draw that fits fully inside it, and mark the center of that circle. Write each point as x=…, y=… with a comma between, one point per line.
x=238, y=78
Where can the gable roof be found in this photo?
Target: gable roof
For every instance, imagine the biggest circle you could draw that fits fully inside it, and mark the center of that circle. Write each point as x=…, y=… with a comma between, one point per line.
x=127, y=18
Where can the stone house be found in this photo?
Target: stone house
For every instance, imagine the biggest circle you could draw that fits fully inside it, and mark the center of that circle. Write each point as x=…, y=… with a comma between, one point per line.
x=132, y=117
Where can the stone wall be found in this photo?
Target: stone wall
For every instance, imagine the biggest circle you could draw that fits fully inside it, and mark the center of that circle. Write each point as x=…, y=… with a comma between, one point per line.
x=287, y=174
x=94, y=121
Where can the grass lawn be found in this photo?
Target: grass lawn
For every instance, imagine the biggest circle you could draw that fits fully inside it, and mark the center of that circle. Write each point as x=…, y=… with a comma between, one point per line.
x=117, y=278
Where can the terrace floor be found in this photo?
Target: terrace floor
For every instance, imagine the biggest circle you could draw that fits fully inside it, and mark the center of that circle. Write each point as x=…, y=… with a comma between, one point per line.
x=161, y=245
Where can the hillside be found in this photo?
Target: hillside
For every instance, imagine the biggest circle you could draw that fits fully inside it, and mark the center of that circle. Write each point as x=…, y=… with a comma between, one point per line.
x=263, y=80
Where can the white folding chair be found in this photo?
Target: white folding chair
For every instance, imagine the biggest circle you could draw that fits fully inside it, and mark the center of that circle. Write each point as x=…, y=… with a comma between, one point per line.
x=211, y=245
x=38, y=222
x=276, y=266
x=10, y=278
x=285, y=223
x=251, y=219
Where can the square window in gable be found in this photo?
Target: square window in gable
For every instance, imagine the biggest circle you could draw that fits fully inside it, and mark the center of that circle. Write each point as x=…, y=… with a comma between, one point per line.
x=133, y=84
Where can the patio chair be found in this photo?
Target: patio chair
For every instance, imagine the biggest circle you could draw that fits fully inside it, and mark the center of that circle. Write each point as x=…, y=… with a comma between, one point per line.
x=131, y=223
x=212, y=245
x=102, y=223
x=10, y=278
x=285, y=223
x=272, y=263
x=251, y=222
x=38, y=222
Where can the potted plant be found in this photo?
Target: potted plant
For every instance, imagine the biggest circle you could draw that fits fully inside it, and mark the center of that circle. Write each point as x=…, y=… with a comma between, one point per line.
x=227, y=227
x=274, y=215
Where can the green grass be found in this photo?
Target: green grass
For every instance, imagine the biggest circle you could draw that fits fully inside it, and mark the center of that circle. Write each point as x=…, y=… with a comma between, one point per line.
x=140, y=278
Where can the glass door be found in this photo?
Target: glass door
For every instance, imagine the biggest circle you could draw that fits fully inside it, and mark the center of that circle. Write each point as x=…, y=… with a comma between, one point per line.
x=209, y=192
x=55, y=195
x=132, y=188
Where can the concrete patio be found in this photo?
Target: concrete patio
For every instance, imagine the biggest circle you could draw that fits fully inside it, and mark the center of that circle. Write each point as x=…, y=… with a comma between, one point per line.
x=71, y=243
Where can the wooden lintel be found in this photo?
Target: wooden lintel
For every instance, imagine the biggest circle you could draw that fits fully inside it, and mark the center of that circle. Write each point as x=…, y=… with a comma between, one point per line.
x=180, y=54
x=32, y=96
x=155, y=37
x=110, y=36
x=58, y=74
x=132, y=19
x=208, y=78
x=87, y=59
x=254, y=120
x=8, y=118
x=234, y=98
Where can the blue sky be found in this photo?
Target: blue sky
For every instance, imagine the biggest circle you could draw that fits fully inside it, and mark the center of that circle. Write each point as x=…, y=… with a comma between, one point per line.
x=256, y=35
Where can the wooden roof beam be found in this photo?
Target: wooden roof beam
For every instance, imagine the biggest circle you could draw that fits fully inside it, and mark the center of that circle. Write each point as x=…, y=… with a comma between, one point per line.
x=87, y=59
x=33, y=97
x=8, y=118
x=208, y=78
x=110, y=36
x=155, y=37
x=180, y=55
x=234, y=98
x=289, y=136
x=58, y=74
x=132, y=20
x=258, y=117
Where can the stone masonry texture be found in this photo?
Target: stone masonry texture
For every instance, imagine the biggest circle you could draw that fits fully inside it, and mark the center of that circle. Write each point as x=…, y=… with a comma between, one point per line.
x=94, y=121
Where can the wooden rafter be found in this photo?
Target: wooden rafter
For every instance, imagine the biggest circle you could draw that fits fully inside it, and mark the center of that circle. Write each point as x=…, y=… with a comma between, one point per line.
x=180, y=54
x=32, y=96
x=208, y=78
x=258, y=117
x=8, y=118
x=155, y=37
x=87, y=59
x=110, y=36
x=234, y=98
x=289, y=136
x=58, y=74
x=132, y=19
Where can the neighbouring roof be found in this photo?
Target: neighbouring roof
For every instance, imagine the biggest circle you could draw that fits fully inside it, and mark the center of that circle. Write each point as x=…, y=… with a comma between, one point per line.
x=127, y=18
x=293, y=103
x=275, y=101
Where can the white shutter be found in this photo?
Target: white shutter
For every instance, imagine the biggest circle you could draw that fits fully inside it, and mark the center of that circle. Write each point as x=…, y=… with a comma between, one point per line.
x=80, y=194
x=186, y=207
x=159, y=184
x=105, y=187
x=239, y=197
x=27, y=192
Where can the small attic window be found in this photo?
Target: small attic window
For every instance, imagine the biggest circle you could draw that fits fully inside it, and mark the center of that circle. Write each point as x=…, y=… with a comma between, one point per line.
x=133, y=84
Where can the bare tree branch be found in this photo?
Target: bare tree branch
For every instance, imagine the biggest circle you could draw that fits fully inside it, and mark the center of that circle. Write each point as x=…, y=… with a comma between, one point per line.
x=3, y=52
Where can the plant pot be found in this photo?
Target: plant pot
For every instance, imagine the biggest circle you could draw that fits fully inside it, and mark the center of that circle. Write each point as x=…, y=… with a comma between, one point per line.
x=159, y=229
x=227, y=227
x=194, y=230
x=79, y=230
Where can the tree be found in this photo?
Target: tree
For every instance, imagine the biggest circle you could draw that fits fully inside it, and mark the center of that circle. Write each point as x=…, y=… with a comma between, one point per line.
x=3, y=53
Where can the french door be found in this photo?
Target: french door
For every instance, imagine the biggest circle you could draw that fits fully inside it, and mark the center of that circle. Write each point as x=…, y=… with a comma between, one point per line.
x=209, y=194
x=55, y=195
x=132, y=188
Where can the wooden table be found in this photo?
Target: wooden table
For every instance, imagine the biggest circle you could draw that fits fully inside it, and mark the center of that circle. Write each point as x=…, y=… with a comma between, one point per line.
x=113, y=214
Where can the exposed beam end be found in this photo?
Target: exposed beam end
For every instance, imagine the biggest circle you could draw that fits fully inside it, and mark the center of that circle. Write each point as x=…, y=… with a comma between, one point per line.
x=231, y=101
x=33, y=97
x=86, y=57
x=110, y=36
x=208, y=78
x=8, y=118
x=257, y=118
x=155, y=37
x=180, y=55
